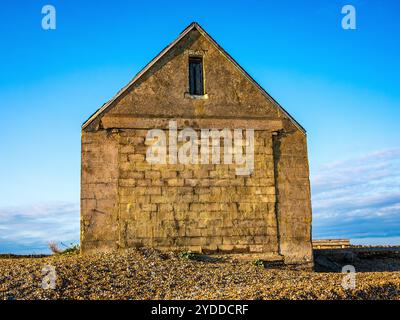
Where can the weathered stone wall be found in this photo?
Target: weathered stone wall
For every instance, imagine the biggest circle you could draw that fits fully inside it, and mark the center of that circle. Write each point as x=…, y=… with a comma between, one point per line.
x=99, y=191
x=293, y=196
x=204, y=207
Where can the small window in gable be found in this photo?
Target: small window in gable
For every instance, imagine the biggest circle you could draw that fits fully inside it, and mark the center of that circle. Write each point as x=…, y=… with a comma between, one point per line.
x=196, y=80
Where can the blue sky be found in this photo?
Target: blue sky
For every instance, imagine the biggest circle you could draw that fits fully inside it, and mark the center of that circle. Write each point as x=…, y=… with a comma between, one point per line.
x=341, y=85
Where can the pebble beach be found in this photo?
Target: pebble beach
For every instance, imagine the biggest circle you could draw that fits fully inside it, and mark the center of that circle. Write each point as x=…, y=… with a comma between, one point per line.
x=149, y=274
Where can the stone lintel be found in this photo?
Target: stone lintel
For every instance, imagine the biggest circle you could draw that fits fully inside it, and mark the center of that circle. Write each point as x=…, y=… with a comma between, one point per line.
x=128, y=122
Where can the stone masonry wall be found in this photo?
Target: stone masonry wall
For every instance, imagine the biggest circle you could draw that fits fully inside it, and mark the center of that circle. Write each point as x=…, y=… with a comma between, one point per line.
x=204, y=207
x=293, y=196
x=99, y=191
x=197, y=207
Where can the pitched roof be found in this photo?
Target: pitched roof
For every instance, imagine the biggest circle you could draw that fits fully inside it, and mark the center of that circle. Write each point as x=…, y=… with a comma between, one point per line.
x=193, y=25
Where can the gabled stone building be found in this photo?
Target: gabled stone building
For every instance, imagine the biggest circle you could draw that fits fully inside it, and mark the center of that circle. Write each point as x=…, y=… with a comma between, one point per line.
x=128, y=202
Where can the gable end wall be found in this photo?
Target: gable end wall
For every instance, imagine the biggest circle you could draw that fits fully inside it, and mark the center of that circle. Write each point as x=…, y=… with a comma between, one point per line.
x=125, y=202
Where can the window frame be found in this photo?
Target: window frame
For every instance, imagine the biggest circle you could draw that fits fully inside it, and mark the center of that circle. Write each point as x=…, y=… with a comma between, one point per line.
x=192, y=76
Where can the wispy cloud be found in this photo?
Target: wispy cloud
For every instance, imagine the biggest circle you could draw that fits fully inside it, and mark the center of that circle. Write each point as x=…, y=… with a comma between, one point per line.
x=28, y=229
x=359, y=197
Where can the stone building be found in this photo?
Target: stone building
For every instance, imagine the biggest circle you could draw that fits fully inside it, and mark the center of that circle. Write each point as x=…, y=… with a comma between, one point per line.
x=128, y=202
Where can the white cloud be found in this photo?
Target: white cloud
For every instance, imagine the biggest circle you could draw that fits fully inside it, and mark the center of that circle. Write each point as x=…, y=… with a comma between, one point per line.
x=28, y=229
x=359, y=197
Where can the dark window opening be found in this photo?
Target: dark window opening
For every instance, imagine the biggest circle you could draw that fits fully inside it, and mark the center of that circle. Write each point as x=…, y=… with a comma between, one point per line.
x=196, y=84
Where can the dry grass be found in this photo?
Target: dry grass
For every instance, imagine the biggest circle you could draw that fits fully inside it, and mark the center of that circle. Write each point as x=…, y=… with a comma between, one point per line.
x=53, y=246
